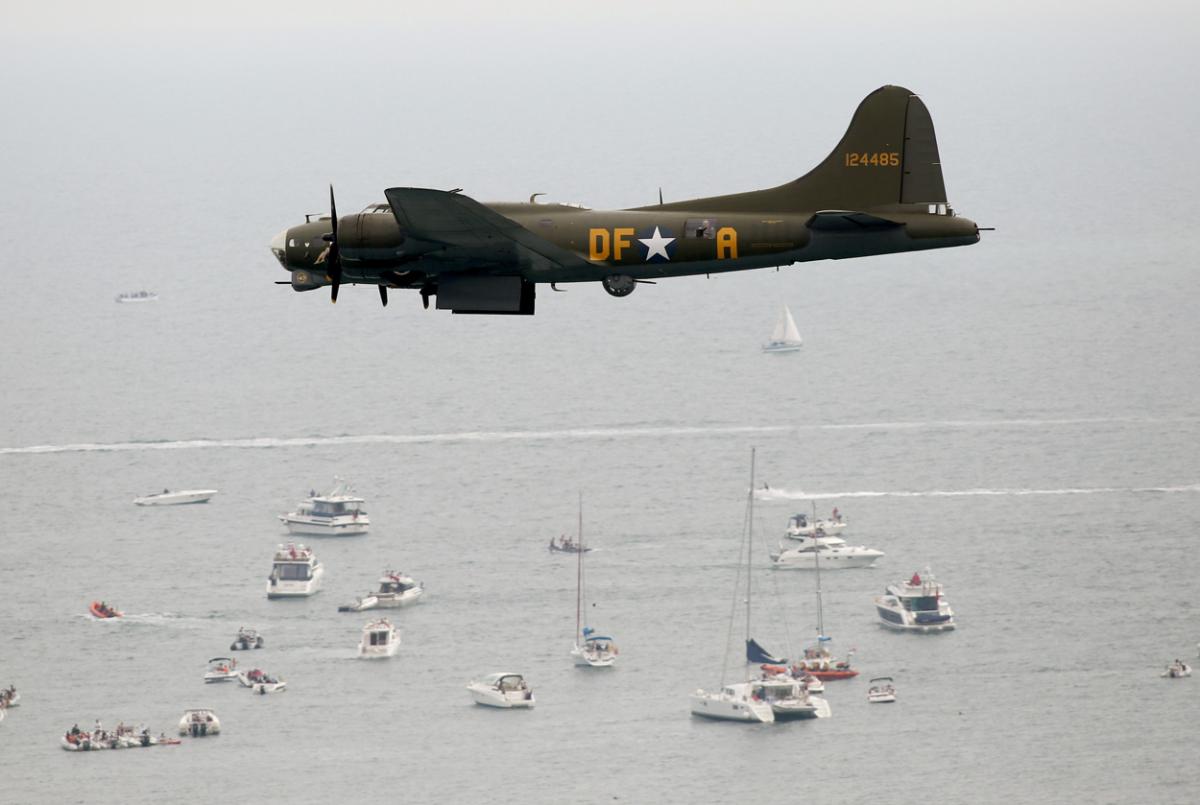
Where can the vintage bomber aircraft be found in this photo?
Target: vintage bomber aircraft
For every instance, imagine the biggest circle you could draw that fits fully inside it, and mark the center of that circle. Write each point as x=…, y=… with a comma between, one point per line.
x=880, y=191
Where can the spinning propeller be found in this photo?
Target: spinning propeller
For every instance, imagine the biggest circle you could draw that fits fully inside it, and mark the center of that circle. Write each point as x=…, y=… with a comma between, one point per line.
x=333, y=259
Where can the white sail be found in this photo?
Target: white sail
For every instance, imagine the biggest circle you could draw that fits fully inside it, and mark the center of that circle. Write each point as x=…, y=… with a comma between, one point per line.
x=785, y=331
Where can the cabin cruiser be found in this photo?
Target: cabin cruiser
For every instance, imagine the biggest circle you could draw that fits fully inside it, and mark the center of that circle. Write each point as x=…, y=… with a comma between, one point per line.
x=296, y=573
x=915, y=605
x=1177, y=670
x=788, y=697
x=260, y=681
x=103, y=611
x=506, y=690
x=395, y=590
x=198, y=723
x=379, y=639
x=221, y=669
x=246, y=639
x=169, y=498
x=882, y=691
x=804, y=525
x=594, y=651
x=338, y=513
x=803, y=553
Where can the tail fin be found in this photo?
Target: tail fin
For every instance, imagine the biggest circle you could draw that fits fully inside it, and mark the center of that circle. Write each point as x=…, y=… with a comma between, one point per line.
x=887, y=157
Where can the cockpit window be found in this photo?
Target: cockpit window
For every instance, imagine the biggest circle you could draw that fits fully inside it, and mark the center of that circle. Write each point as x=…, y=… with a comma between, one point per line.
x=700, y=228
x=377, y=208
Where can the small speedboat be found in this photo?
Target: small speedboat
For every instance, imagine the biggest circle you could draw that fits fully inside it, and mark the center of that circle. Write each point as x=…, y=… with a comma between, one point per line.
x=169, y=498
x=506, y=690
x=103, y=611
x=261, y=682
x=567, y=545
x=1177, y=670
x=379, y=639
x=198, y=723
x=396, y=589
x=221, y=669
x=137, y=296
x=246, y=639
x=9, y=697
x=882, y=691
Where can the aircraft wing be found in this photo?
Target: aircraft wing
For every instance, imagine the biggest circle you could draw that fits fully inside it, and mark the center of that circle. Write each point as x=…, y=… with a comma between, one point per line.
x=462, y=222
x=847, y=221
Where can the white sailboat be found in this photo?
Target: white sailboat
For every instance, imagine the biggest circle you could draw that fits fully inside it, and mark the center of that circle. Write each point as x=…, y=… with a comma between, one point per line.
x=738, y=701
x=591, y=650
x=785, y=337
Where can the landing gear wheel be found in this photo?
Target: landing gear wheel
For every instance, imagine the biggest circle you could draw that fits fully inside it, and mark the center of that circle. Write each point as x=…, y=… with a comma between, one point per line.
x=619, y=284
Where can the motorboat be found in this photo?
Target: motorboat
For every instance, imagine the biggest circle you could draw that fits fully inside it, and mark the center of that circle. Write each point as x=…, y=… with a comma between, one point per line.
x=915, y=605
x=565, y=544
x=503, y=689
x=9, y=697
x=337, y=513
x=882, y=690
x=591, y=650
x=787, y=697
x=261, y=682
x=379, y=639
x=198, y=723
x=246, y=639
x=221, y=669
x=395, y=590
x=1177, y=670
x=786, y=336
x=296, y=573
x=75, y=740
x=137, y=296
x=803, y=525
x=103, y=611
x=739, y=701
x=803, y=553
x=169, y=498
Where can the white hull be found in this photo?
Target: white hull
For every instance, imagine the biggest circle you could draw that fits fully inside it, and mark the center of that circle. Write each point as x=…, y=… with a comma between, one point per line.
x=881, y=698
x=328, y=527
x=593, y=659
x=898, y=619
x=216, y=676
x=263, y=688
x=830, y=558
x=737, y=706
x=378, y=652
x=828, y=526
x=781, y=347
x=176, y=498
x=292, y=588
x=1181, y=671
x=490, y=697
x=199, y=725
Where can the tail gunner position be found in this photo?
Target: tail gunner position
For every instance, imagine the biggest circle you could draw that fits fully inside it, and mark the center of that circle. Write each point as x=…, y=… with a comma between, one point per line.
x=879, y=192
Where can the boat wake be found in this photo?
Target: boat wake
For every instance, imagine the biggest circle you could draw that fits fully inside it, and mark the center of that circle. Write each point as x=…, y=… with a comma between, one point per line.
x=268, y=442
x=791, y=494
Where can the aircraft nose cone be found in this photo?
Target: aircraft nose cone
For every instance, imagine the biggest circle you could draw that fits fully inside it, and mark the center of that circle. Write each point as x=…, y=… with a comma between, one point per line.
x=279, y=247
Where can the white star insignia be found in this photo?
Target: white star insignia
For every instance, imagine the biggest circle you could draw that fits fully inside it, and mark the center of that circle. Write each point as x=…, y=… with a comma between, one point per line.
x=656, y=245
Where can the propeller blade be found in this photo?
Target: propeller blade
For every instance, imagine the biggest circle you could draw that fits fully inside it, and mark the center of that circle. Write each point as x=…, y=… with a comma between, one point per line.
x=333, y=260
x=383, y=294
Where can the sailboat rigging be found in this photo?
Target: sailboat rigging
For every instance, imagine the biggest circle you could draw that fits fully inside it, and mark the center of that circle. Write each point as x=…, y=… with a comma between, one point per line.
x=591, y=650
x=785, y=337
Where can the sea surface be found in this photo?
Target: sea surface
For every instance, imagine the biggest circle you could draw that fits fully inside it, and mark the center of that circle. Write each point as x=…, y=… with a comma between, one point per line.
x=1019, y=416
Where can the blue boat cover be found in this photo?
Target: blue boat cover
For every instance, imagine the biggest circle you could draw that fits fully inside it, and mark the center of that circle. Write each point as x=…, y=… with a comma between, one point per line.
x=758, y=654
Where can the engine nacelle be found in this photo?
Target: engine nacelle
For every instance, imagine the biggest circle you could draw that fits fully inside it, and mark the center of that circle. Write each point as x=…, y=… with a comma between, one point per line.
x=303, y=280
x=619, y=284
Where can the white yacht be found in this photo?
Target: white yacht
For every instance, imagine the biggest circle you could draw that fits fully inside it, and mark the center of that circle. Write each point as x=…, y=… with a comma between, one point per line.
x=296, y=573
x=785, y=337
x=591, y=650
x=338, y=513
x=198, y=723
x=915, y=605
x=506, y=690
x=379, y=639
x=396, y=589
x=221, y=669
x=803, y=525
x=738, y=701
x=804, y=553
x=169, y=498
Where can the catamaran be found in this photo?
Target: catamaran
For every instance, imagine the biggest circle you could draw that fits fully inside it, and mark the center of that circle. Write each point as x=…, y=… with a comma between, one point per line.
x=785, y=337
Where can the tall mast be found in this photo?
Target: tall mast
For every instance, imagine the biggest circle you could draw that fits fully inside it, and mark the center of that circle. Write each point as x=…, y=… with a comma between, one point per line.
x=579, y=571
x=820, y=610
x=749, y=540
